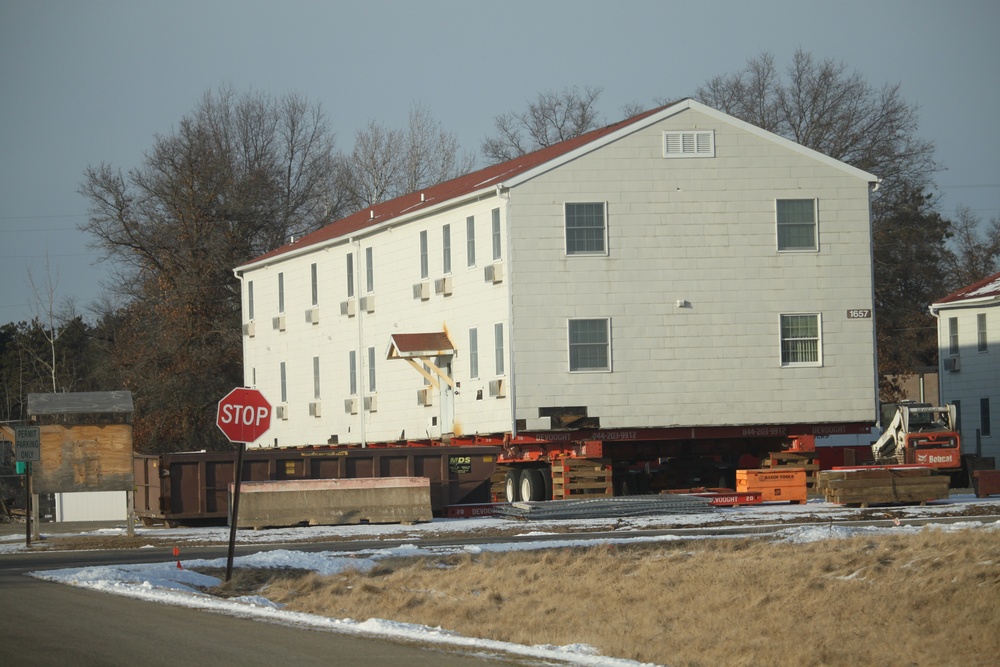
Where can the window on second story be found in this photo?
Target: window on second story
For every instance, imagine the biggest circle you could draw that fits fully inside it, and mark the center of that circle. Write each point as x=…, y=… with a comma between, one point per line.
x=314, y=277
x=425, y=269
x=250, y=300
x=981, y=332
x=586, y=230
x=350, y=275
x=800, y=340
x=369, y=270
x=284, y=383
x=953, y=336
x=281, y=292
x=446, y=248
x=497, y=248
x=796, y=224
x=470, y=241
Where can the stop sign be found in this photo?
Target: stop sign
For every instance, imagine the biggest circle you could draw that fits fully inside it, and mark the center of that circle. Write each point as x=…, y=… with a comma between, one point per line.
x=244, y=415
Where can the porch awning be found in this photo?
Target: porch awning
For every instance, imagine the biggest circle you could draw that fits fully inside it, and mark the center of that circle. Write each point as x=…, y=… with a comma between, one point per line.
x=423, y=347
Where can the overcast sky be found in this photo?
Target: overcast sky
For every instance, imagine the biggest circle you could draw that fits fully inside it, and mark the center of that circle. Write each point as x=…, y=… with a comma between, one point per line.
x=89, y=82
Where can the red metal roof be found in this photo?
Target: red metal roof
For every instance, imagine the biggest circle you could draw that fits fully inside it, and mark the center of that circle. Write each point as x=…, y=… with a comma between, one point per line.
x=443, y=192
x=986, y=288
x=408, y=344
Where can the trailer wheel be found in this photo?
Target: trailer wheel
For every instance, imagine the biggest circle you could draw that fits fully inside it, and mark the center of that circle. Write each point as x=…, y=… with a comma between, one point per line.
x=512, y=485
x=532, y=484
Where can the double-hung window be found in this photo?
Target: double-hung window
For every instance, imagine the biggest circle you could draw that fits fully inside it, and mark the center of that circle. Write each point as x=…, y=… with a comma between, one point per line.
x=350, y=275
x=316, y=384
x=425, y=267
x=470, y=241
x=586, y=228
x=980, y=332
x=473, y=353
x=281, y=292
x=985, y=428
x=284, y=382
x=953, y=348
x=371, y=370
x=352, y=373
x=801, y=343
x=446, y=248
x=590, y=345
x=498, y=348
x=497, y=247
x=796, y=220
x=369, y=270
x=314, y=276
x=250, y=300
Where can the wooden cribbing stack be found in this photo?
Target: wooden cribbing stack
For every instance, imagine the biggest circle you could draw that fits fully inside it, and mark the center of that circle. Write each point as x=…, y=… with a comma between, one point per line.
x=806, y=462
x=873, y=485
x=572, y=478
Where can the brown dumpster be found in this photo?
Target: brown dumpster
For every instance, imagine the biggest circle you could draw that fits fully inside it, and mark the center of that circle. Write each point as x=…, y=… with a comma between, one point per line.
x=193, y=487
x=986, y=482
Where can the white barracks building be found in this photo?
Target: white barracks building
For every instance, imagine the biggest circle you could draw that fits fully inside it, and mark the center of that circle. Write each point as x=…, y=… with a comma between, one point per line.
x=680, y=268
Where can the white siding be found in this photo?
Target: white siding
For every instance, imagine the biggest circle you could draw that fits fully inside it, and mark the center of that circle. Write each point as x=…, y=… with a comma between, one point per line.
x=978, y=376
x=701, y=231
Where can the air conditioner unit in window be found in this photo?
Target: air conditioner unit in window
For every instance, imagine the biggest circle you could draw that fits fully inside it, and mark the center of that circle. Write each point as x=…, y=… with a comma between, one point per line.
x=424, y=396
x=493, y=273
x=348, y=307
x=351, y=405
x=952, y=364
x=368, y=303
x=443, y=285
x=422, y=290
x=249, y=329
x=278, y=323
x=281, y=412
x=371, y=403
x=315, y=409
x=312, y=315
x=498, y=388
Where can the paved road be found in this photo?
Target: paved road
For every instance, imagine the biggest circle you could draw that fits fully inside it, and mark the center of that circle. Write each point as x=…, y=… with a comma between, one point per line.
x=54, y=624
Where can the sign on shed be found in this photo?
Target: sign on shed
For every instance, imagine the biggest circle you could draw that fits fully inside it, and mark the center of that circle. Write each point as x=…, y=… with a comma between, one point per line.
x=27, y=444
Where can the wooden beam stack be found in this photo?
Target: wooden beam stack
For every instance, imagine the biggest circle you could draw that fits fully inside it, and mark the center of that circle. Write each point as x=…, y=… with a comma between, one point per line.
x=878, y=485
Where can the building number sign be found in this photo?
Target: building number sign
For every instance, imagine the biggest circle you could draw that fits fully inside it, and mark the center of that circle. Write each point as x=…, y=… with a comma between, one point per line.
x=859, y=314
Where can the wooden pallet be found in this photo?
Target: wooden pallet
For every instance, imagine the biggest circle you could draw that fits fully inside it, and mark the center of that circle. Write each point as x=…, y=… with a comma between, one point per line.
x=879, y=486
x=793, y=460
x=498, y=491
x=573, y=478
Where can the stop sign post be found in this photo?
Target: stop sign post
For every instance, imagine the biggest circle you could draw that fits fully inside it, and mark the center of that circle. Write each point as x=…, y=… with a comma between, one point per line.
x=244, y=415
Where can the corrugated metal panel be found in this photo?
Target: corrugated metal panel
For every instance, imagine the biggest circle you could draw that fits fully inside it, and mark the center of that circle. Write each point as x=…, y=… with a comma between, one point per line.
x=81, y=402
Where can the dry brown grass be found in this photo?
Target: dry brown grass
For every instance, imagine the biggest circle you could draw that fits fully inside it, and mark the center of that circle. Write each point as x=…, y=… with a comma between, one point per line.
x=926, y=599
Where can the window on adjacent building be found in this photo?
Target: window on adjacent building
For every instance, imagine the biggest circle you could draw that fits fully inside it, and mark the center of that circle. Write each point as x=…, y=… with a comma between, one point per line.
x=473, y=353
x=425, y=269
x=350, y=275
x=497, y=254
x=446, y=248
x=316, y=378
x=284, y=383
x=371, y=370
x=585, y=229
x=953, y=335
x=796, y=224
x=249, y=299
x=984, y=417
x=314, y=277
x=352, y=373
x=689, y=144
x=470, y=241
x=498, y=348
x=981, y=332
x=369, y=270
x=281, y=292
x=590, y=345
x=800, y=340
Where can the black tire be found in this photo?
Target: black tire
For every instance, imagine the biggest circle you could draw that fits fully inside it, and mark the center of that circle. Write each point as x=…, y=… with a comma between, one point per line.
x=512, y=485
x=532, y=485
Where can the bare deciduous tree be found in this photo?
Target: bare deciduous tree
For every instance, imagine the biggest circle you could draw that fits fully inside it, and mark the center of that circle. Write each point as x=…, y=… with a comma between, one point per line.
x=552, y=117
x=974, y=251
x=238, y=176
x=387, y=163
